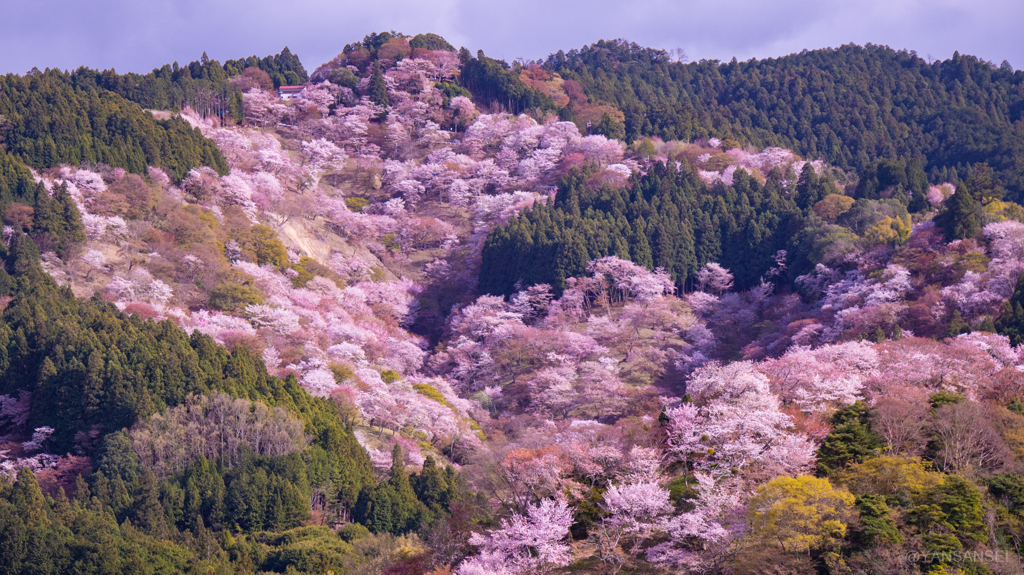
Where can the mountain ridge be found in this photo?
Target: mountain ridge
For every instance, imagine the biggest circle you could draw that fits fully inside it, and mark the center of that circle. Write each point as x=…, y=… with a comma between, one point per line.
x=699, y=351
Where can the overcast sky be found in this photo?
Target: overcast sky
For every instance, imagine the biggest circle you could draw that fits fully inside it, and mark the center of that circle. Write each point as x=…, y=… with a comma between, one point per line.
x=138, y=35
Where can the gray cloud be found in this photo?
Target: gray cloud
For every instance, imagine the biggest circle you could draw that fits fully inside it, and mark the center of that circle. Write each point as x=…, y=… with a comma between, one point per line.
x=129, y=35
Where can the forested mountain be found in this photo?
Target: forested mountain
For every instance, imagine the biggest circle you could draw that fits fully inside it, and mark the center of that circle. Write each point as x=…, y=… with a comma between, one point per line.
x=82, y=370
x=202, y=85
x=52, y=118
x=667, y=219
x=441, y=314
x=849, y=106
x=49, y=119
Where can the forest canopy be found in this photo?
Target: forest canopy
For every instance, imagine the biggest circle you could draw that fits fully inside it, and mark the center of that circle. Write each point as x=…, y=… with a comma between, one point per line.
x=48, y=121
x=849, y=105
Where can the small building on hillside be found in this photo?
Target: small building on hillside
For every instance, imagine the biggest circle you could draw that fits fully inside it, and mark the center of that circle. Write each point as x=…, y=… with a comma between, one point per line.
x=290, y=92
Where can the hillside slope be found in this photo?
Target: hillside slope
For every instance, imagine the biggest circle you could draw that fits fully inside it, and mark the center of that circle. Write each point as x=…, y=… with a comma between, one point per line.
x=401, y=330
x=850, y=106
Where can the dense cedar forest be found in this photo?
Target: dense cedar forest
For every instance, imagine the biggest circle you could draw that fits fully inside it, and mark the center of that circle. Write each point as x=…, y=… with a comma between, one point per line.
x=93, y=370
x=669, y=219
x=202, y=85
x=609, y=313
x=849, y=106
x=53, y=118
x=50, y=121
x=492, y=80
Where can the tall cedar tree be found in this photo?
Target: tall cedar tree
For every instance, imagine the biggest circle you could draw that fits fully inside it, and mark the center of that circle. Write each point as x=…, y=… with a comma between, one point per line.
x=961, y=219
x=378, y=89
x=827, y=104
x=850, y=441
x=667, y=218
x=1011, y=317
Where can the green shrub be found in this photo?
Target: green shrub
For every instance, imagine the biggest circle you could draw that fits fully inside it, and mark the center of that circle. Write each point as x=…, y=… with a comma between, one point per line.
x=356, y=204
x=234, y=297
x=353, y=532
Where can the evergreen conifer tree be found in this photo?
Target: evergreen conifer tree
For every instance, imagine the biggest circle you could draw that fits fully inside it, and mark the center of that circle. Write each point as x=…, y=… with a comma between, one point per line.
x=47, y=215
x=432, y=487
x=918, y=202
x=957, y=325
x=571, y=258
x=28, y=498
x=1011, y=317
x=381, y=517
x=378, y=89
x=807, y=187
x=82, y=493
x=850, y=441
x=405, y=508
x=101, y=488
x=74, y=230
x=148, y=512
x=961, y=220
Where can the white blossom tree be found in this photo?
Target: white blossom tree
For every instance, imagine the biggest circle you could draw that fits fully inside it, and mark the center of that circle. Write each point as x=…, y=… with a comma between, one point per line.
x=524, y=544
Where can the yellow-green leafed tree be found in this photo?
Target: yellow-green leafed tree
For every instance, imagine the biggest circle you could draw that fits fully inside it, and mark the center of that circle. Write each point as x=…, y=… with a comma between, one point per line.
x=998, y=210
x=891, y=231
x=800, y=513
x=269, y=249
x=833, y=206
x=890, y=476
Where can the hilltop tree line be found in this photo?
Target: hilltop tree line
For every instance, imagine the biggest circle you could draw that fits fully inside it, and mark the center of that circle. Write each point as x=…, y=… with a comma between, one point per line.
x=89, y=116
x=48, y=120
x=489, y=80
x=849, y=106
x=203, y=85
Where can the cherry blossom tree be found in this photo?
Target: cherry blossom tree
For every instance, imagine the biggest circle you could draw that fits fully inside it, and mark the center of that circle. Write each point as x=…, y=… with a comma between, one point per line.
x=642, y=465
x=700, y=540
x=323, y=156
x=531, y=302
x=553, y=390
x=276, y=319
x=620, y=280
x=39, y=437
x=902, y=422
x=714, y=278
x=378, y=406
x=321, y=96
x=411, y=191
x=685, y=430
x=219, y=326
x=635, y=513
x=262, y=108
x=464, y=109
x=524, y=544
x=529, y=474
x=829, y=377
x=140, y=285
x=238, y=191
x=736, y=423
x=14, y=411
x=600, y=149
